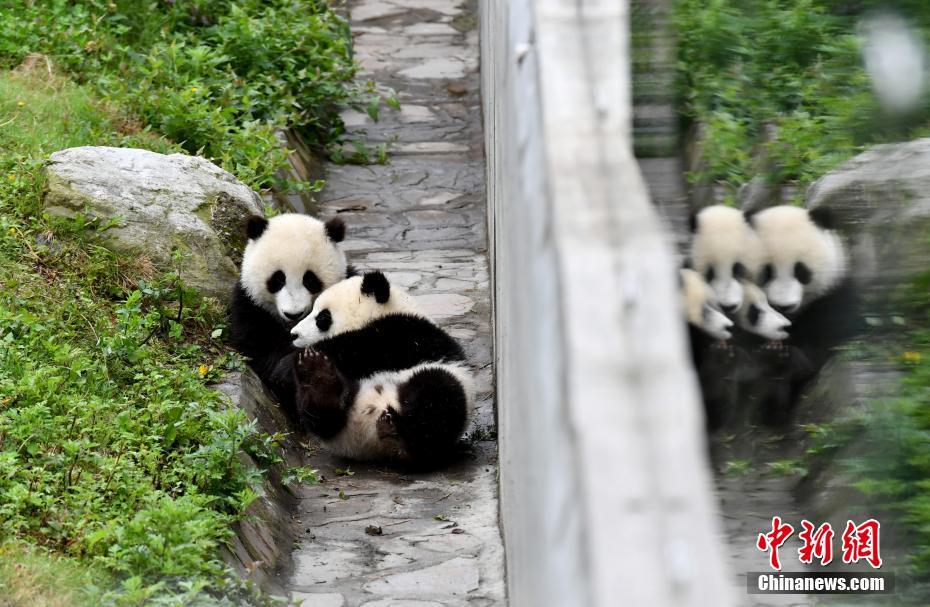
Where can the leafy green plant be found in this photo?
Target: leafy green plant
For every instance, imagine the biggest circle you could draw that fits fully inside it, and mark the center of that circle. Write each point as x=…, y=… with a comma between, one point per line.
x=883, y=444
x=218, y=77
x=779, y=87
x=304, y=475
x=116, y=455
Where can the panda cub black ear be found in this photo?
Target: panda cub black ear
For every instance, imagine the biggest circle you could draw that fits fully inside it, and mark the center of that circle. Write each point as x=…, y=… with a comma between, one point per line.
x=335, y=229
x=255, y=226
x=375, y=284
x=749, y=215
x=822, y=218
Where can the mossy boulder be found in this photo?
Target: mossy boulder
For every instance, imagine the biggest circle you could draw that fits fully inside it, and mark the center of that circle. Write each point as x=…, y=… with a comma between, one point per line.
x=160, y=203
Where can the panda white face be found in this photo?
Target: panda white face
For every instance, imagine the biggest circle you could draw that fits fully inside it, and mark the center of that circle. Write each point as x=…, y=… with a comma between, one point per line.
x=700, y=306
x=724, y=250
x=757, y=316
x=804, y=259
x=289, y=260
x=349, y=305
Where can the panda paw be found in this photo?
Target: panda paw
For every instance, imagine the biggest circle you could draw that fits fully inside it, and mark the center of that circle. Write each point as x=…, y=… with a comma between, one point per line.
x=776, y=347
x=313, y=367
x=320, y=386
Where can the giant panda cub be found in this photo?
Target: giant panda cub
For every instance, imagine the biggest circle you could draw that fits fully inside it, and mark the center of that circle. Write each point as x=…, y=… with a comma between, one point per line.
x=725, y=368
x=288, y=260
x=702, y=312
x=377, y=379
x=804, y=277
x=725, y=251
x=762, y=360
x=757, y=317
x=711, y=355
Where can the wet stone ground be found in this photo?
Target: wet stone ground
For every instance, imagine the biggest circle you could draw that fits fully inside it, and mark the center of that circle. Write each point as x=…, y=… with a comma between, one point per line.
x=384, y=536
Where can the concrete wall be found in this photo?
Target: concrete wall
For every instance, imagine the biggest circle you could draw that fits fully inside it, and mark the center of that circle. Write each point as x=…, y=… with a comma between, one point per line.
x=605, y=488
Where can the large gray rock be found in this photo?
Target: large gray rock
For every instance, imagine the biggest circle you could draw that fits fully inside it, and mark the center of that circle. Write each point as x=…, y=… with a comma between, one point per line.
x=881, y=199
x=163, y=203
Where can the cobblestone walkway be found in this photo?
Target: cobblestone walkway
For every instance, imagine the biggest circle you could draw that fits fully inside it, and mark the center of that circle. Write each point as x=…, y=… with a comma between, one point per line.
x=431, y=539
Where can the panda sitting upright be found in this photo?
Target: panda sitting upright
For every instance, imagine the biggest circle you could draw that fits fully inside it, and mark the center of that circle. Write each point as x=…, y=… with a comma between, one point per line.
x=288, y=261
x=805, y=277
x=711, y=355
x=725, y=251
x=378, y=380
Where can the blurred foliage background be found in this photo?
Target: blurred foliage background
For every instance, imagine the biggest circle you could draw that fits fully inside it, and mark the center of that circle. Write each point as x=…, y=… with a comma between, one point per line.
x=779, y=87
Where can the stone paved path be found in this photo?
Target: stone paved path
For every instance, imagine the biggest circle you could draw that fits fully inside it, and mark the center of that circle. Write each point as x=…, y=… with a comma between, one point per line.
x=421, y=219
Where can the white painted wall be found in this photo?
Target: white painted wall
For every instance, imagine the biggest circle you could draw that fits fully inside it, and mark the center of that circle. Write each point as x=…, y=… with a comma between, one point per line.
x=605, y=487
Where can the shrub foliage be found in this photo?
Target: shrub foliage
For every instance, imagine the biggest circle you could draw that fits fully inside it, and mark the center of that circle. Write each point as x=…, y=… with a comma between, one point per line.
x=779, y=86
x=115, y=452
x=216, y=76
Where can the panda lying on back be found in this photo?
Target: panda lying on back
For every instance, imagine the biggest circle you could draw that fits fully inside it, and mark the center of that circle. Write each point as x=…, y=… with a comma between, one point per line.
x=287, y=262
x=378, y=380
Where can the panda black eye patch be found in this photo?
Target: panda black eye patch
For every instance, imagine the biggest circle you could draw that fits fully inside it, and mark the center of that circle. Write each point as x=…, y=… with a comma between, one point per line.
x=768, y=273
x=753, y=315
x=739, y=270
x=324, y=320
x=276, y=282
x=803, y=273
x=710, y=274
x=312, y=283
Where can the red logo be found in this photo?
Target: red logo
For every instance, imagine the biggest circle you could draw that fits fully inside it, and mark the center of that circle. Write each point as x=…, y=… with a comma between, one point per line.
x=816, y=543
x=773, y=540
x=859, y=542
x=862, y=543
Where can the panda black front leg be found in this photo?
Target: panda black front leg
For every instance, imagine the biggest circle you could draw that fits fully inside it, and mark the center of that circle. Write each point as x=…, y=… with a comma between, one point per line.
x=321, y=394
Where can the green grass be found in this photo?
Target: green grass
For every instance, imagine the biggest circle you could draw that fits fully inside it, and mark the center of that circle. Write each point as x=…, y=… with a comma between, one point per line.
x=33, y=577
x=218, y=77
x=44, y=113
x=115, y=453
x=883, y=448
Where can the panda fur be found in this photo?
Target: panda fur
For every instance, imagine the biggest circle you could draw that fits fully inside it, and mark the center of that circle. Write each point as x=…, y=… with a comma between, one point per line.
x=288, y=260
x=711, y=355
x=700, y=307
x=379, y=380
x=805, y=277
x=724, y=250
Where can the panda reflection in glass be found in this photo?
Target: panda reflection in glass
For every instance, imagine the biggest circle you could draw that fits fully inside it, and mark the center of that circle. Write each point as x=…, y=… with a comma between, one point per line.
x=781, y=275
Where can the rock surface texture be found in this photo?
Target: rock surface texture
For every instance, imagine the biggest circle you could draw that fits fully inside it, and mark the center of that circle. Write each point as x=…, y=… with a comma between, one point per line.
x=162, y=203
x=881, y=201
x=386, y=536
